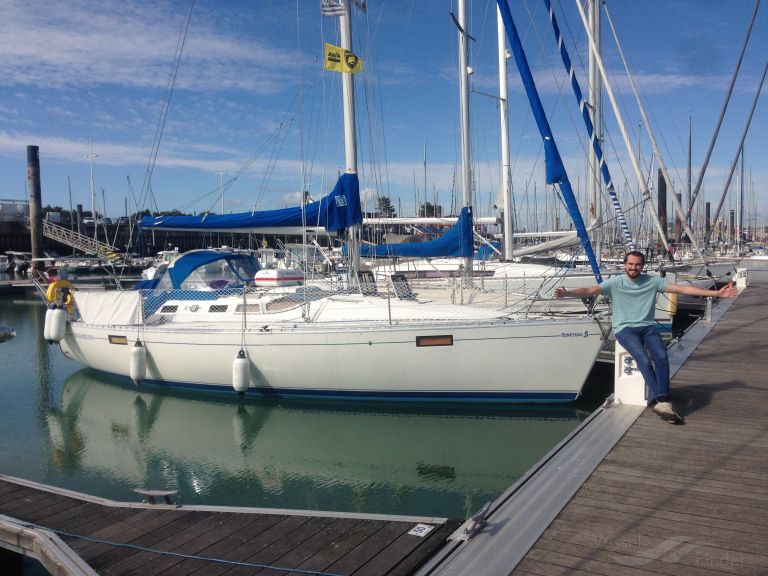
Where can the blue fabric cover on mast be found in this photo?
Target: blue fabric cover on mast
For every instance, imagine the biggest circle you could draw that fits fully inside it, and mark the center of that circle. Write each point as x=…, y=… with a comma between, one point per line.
x=458, y=241
x=339, y=209
x=555, y=170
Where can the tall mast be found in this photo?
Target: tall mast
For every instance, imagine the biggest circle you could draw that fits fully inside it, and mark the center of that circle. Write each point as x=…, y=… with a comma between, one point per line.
x=646, y=193
x=466, y=156
x=506, y=188
x=689, y=190
x=350, y=136
x=596, y=100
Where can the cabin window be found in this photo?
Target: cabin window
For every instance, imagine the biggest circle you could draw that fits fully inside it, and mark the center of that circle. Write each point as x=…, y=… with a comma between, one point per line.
x=249, y=308
x=169, y=309
x=280, y=304
x=218, y=308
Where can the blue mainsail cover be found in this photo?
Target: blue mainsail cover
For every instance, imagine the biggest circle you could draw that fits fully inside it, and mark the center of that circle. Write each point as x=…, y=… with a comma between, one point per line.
x=457, y=241
x=339, y=209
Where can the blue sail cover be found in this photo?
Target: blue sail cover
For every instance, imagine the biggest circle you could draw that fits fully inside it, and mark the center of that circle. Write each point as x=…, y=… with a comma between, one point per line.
x=458, y=241
x=339, y=209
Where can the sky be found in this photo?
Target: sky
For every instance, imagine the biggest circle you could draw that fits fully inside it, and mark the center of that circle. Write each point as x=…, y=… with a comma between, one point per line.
x=253, y=115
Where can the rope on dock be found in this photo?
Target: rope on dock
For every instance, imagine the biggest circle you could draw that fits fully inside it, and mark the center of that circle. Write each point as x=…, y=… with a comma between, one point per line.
x=180, y=554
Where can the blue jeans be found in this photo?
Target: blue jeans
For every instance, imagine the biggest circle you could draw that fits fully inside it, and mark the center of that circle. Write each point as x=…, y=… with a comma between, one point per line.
x=644, y=344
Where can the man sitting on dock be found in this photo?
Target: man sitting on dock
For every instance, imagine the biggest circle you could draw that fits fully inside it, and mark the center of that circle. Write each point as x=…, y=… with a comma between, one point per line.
x=633, y=303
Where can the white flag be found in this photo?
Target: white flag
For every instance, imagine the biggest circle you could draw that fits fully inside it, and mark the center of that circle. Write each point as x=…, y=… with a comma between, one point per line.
x=331, y=7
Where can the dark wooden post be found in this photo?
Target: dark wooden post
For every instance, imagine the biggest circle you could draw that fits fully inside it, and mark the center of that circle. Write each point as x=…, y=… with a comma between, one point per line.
x=662, y=194
x=35, y=205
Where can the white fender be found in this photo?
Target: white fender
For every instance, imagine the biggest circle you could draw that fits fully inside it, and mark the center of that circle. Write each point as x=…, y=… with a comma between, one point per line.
x=47, y=325
x=241, y=373
x=55, y=324
x=138, y=368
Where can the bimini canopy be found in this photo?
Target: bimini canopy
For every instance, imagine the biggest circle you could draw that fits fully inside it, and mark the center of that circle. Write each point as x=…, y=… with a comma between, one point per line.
x=458, y=241
x=336, y=211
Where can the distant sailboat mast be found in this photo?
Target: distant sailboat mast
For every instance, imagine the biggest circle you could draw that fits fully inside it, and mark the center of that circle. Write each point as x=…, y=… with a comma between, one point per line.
x=622, y=128
x=656, y=149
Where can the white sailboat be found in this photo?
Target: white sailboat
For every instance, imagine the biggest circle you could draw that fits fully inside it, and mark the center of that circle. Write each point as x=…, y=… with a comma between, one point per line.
x=314, y=340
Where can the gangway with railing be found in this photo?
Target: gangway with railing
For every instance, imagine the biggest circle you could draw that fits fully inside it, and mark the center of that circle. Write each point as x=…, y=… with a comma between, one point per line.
x=78, y=241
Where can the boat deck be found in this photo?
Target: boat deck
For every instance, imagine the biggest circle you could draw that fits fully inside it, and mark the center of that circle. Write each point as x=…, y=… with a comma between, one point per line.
x=662, y=499
x=72, y=533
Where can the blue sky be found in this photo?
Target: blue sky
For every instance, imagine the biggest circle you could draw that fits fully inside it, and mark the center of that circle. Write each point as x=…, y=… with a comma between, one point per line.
x=251, y=100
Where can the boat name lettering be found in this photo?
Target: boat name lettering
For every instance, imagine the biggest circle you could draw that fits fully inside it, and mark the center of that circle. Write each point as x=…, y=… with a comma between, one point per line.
x=84, y=336
x=584, y=334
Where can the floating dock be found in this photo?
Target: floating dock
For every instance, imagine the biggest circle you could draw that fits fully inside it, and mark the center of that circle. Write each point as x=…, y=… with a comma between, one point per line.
x=628, y=494
x=76, y=534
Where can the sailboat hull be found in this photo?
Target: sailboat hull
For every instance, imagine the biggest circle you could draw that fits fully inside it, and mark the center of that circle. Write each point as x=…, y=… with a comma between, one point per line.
x=491, y=361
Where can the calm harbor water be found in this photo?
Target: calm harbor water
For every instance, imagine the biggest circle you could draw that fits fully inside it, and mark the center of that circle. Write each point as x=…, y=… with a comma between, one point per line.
x=67, y=426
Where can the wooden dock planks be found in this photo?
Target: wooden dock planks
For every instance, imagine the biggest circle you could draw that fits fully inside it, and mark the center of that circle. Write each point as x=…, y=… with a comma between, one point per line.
x=681, y=500
x=118, y=539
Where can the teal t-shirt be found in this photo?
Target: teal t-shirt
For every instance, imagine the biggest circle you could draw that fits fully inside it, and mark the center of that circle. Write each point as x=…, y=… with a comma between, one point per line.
x=633, y=302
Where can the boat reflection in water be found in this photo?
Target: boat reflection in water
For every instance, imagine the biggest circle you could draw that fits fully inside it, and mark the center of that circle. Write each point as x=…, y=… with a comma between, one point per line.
x=350, y=457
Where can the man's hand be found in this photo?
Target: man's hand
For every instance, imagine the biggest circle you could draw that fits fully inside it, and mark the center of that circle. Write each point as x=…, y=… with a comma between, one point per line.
x=727, y=291
x=560, y=292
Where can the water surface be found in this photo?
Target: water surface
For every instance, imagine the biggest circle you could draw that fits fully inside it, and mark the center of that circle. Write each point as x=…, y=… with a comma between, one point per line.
x=67, y=426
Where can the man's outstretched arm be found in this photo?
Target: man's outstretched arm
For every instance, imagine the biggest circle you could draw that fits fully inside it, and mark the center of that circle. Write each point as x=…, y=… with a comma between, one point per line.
x=578, y=292
x=727, y=291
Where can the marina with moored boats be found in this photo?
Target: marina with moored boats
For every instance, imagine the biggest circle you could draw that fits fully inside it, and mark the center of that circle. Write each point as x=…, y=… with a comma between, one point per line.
x=328, y=389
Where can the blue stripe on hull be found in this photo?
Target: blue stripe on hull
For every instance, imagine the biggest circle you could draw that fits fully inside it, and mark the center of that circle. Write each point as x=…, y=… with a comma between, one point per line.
x=399, y=396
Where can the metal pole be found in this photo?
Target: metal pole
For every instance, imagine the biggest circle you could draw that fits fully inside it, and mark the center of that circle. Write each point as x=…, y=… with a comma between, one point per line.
x=506, y=188
x=596, y=99
x=466, y=156
x=350, y=135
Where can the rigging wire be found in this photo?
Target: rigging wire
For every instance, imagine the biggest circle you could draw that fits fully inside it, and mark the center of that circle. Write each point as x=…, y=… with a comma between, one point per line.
x=700, y=179
x=146, y=185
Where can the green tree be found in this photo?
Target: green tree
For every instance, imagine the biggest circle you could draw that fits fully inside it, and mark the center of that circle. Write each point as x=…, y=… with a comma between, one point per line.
x=429, y=210
x=384, y=208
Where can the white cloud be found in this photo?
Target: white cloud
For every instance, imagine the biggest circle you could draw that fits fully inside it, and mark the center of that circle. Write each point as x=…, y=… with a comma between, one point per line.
x=75, y=44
